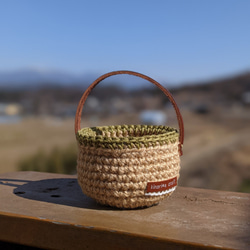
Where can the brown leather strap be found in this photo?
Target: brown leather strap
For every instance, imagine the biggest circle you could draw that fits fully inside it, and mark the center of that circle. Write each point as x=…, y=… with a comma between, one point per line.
x=164, y=90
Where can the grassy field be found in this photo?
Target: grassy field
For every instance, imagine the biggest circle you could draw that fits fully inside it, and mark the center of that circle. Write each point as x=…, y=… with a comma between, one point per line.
x=30, y=135
x=216, y=149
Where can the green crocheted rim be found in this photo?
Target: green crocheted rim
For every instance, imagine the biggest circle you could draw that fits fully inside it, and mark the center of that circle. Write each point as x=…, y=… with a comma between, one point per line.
x=127, y=136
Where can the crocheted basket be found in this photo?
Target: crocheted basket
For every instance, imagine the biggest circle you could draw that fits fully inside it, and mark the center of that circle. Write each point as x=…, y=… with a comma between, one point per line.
x=128, y=166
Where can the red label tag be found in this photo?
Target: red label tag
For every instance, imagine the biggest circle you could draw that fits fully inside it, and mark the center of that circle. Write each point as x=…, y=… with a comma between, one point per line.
x=161, y=187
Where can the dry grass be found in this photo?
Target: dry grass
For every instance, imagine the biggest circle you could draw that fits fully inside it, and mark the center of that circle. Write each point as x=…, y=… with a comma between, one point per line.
x=30, y=135
x=217, y=151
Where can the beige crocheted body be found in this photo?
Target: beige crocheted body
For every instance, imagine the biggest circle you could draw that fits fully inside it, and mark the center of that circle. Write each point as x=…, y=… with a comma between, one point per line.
x=116, y=163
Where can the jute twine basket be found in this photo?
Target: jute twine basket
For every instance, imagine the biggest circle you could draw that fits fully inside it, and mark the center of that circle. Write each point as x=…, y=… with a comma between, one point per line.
x=128, y=166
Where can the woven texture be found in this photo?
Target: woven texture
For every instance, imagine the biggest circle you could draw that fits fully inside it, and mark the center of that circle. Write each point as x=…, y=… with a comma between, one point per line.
x=115, y=163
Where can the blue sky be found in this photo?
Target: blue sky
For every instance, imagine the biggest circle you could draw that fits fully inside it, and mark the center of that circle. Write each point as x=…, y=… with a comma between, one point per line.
x=175, y=41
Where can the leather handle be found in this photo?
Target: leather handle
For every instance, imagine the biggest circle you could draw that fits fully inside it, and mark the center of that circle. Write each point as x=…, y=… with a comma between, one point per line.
x=164, y=90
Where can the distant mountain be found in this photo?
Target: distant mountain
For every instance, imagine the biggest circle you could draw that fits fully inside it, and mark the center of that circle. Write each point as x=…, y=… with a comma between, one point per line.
x=217, y=93
x=35, y=78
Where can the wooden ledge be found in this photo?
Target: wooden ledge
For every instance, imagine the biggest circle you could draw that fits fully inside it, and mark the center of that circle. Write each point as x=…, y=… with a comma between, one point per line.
x=49, y=211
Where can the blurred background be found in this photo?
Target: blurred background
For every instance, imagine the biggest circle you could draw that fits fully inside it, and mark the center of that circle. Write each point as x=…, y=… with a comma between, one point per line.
x=50, y=51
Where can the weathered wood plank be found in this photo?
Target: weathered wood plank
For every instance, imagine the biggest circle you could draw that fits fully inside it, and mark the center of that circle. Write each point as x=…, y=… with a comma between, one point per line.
x=50, y=211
